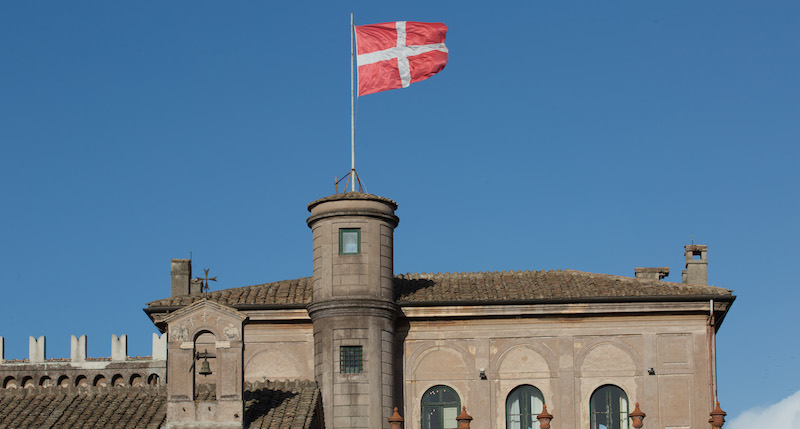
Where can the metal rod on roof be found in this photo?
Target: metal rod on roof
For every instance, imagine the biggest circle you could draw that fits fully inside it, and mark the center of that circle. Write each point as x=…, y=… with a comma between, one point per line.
x=352, y=109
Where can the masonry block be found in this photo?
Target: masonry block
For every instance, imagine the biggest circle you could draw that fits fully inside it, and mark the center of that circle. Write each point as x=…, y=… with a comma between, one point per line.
x=36, y=349
x=77, y=349
x=119, y=348
x=159, y=346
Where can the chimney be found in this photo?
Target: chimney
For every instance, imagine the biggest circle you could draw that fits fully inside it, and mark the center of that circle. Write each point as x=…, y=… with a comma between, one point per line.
x=181, y=272
x=651, y=273
x=696, y=271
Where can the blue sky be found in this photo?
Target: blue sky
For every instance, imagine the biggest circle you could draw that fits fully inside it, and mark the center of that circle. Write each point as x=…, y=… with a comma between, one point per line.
x=596, y=136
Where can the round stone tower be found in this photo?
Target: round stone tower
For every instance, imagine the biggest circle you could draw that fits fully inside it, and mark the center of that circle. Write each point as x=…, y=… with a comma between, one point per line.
x=353, y=308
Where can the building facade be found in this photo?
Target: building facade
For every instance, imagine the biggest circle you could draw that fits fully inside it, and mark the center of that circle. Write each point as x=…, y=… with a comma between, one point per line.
x=357, y=340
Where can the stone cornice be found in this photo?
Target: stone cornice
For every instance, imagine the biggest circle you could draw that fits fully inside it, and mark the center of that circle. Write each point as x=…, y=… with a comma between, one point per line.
x=353, y=307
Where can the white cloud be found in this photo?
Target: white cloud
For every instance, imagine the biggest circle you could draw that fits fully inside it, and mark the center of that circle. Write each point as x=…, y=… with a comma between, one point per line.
x=785, y=414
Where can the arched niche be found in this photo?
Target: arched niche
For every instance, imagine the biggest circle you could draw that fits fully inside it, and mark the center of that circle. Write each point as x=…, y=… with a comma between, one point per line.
x=81, y=381
x=100, y=381
x=272, y=364
x=609, y=357
x=205, y=349
x=117, y=380
x=136, y=380
x=441, y=363
x=10, y=383
x=522, y=360
x=46, y=381
x=28, y=382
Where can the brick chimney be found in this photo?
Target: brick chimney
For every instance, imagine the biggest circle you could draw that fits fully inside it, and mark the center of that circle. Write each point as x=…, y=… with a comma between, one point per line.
x=651, y=273
x=696, y=271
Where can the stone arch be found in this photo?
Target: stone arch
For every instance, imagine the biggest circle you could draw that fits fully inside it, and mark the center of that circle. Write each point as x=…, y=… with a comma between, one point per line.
x=443, y=362
x=10, y=383
x=27, y=382
x=153, y=380
x=523, y=359
x=272, y=364
x=205, y=341
x=117, y=380
x=63, y=381
x=136, y=380
x=625, y=358
x=100, y=381
x=46, y=381
x=81, y=381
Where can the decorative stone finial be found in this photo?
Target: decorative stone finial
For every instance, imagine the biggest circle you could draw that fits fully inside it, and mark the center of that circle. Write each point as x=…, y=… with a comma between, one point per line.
x=396, y=420
x=464, y=419
x=544, y=418
x=637, y=417
x=717, y=417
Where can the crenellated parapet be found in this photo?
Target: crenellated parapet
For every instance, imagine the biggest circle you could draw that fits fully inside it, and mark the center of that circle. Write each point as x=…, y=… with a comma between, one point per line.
x=83, y=371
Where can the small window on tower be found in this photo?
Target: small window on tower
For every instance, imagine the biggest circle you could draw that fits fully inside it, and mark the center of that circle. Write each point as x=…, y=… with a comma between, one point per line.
x=349, y=241
x=351, y=360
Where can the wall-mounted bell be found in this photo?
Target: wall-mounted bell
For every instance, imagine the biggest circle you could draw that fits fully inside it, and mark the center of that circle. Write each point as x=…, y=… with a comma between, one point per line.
x=205, y=369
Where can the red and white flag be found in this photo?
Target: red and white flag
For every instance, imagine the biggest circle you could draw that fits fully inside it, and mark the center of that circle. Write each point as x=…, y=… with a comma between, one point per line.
x=395, y=54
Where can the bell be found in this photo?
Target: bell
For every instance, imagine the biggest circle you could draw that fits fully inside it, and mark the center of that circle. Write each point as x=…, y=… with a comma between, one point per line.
x=205, y=369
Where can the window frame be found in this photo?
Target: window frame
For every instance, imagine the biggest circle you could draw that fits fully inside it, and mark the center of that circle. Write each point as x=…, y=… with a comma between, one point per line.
x=425, y=406
x=607, y=390
x=351, y=364
x=342, y=232
x=527, y=415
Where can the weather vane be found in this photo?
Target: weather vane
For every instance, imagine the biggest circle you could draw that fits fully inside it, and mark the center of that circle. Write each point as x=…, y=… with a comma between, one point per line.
x=204, y=281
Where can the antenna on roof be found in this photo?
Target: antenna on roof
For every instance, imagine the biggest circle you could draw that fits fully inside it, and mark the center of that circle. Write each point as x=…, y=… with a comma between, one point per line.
x=691, y=237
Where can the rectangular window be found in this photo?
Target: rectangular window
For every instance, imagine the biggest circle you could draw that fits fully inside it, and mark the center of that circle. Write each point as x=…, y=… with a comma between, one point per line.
x=349, y=241
x=351, y=360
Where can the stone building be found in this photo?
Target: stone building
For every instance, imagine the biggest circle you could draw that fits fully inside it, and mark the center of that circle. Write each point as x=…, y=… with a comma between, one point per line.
x=342, y=348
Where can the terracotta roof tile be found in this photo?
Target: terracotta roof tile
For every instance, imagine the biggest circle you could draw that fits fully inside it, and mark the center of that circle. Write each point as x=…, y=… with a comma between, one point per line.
x=288, y=404
x=281, y=405
x=70, y=408
x=431, y=288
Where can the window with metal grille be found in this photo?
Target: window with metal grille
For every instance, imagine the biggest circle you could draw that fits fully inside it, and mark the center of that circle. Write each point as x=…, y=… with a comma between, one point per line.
x=352, y=360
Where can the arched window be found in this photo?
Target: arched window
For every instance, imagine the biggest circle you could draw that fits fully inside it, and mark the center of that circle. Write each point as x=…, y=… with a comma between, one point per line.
x=522, y=406
x=440, y=407
x=609, y=408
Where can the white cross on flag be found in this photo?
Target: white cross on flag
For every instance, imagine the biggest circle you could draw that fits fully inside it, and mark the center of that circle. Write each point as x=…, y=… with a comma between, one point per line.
x=395, y=54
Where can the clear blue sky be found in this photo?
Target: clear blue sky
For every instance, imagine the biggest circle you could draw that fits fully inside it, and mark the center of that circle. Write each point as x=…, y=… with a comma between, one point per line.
x=595, y=136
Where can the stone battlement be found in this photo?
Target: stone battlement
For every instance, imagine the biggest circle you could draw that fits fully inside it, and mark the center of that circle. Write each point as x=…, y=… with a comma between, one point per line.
x=37, y=351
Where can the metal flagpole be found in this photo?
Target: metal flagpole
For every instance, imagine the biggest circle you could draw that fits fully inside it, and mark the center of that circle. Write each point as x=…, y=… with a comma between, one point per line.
x=352, y=115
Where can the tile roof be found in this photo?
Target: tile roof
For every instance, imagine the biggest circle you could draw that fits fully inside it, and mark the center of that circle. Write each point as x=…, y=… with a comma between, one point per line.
x=278, y=405
x=556, y=285
x=83, y=407
x=430, y=289
x=282, y=405
x=285, y=292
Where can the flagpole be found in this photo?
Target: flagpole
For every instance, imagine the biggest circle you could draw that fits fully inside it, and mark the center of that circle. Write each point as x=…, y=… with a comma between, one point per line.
x=352, y=115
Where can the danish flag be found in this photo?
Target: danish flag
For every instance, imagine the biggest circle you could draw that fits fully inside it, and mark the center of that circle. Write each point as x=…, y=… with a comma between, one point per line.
x=395, y=54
